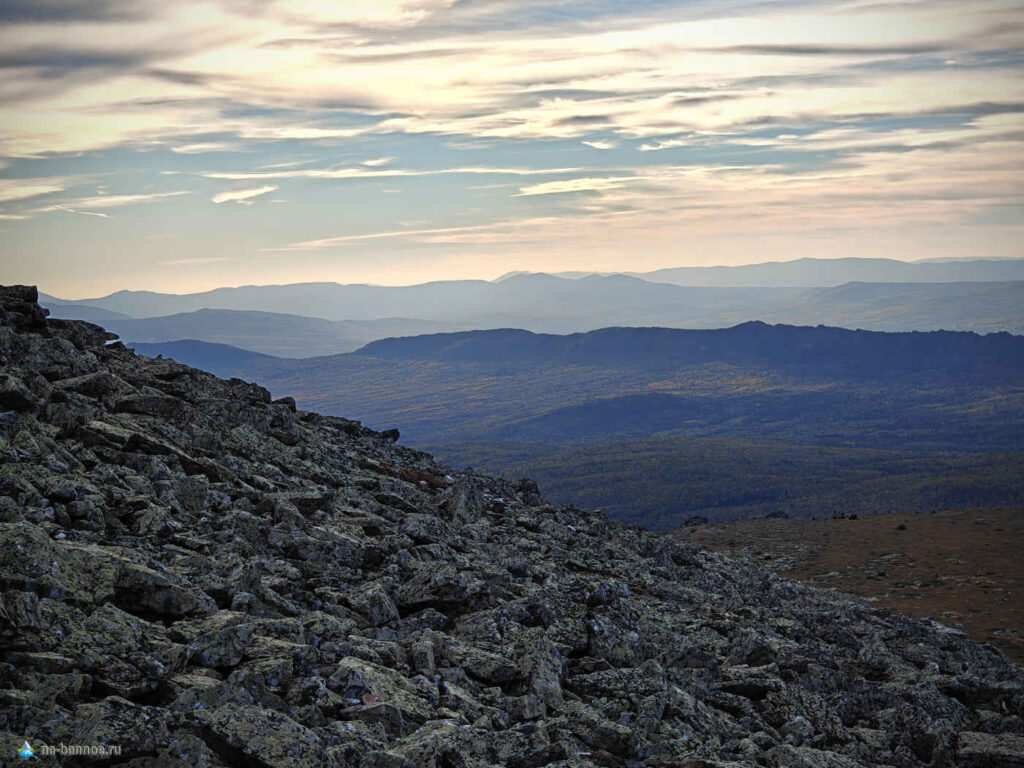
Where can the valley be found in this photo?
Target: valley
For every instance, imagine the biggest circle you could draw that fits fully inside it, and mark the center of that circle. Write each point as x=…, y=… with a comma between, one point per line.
x=657, y=425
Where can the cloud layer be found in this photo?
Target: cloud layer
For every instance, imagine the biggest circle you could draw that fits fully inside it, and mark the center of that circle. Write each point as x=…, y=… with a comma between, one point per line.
x=454, y=138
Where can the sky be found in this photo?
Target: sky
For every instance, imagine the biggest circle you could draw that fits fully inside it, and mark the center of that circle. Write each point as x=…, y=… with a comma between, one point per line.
x=181, y=146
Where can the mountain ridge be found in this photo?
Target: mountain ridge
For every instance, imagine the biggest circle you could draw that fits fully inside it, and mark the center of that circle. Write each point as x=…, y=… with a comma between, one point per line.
x=549, y=304
x=817, y=272
x=814, y=272
x=867, y=352
x=273, y=333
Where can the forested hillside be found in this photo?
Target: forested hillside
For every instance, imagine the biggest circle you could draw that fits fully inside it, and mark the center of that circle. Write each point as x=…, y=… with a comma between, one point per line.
x=658, y=425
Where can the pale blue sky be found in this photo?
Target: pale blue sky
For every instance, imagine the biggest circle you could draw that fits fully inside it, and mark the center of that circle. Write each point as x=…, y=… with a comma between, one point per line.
x=183, y=146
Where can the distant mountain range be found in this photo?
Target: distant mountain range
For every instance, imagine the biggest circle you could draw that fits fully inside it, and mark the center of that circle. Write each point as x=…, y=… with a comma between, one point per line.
x=967, y=306
x=271, y=333
x=560, y=304
x=310, y=319
x=334, y=301
x=80, y=310
x=818, y=273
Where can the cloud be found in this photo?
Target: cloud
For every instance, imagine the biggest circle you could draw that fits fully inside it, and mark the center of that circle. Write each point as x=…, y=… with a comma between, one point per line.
x=363, y=173
x=114, y=201
x=385, y=14
x=329, y=242
x=60, y=59
x=202, y=147
x=377, y=161
x=501, y=227
x=656, y=146
x=67, y=209
x=601, y=144
x=243, y=196
x=574, y=185
x=22, y=189
x=65, y=11
x=90, y=204
x=584, y=120
x=489, y=70
x=190, y=262
x=792, y=49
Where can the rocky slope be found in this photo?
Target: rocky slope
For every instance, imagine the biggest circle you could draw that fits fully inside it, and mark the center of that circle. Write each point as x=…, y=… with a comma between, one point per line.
x=205, y=577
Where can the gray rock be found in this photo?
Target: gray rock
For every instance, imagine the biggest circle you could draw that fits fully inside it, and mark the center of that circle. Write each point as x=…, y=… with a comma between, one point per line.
x=222, y=648
x=14, y=395
x=991, y=750
x=263, y=739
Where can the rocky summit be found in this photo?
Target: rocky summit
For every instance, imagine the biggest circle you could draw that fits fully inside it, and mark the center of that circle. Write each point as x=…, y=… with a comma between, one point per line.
x=201, y=576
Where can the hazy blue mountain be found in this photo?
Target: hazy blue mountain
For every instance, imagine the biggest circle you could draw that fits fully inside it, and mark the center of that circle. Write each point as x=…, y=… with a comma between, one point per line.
x=71, y=310
x=549, y=304
x=821, y=273
x=561, y=304
x=269, y=332
x=220, y=359
x=809, y=272
x=967, y=306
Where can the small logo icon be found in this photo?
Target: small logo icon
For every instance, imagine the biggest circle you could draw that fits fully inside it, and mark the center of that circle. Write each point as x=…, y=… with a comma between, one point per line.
x=26, y=751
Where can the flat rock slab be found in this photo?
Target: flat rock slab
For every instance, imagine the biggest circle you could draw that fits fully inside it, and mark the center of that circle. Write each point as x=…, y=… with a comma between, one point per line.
x=989, y=750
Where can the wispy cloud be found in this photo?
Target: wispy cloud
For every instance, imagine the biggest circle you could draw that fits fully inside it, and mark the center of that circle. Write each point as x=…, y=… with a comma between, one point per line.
x=796, y=49
x=202, y=147
x=243, y=196
x=115, y=201
x=68, y=209
x=364, y=173
x=655, y=146
x=590, y=184
x=90, y=204
x=502, y=227
x=192, y=262
x=23, y=189
x=330, y=242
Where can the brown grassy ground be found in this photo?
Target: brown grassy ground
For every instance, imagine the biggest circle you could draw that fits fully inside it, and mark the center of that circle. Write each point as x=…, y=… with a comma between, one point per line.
x=964, y=569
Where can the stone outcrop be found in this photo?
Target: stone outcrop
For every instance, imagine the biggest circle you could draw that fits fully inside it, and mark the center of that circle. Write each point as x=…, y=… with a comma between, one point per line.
x=207, y=577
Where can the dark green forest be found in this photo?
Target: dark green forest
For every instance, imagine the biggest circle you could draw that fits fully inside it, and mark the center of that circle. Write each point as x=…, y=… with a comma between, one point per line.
x=659, y=483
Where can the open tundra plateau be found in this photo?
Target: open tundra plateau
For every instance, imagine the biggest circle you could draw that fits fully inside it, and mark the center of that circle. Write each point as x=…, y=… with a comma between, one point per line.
x=206, y=577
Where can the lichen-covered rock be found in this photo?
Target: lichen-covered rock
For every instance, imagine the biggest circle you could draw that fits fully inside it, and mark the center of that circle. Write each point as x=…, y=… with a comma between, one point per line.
x=249, y=735
x=207, y=577
x=14, y=395
x=223, y=647
x=375, y=605
x=991, y=750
